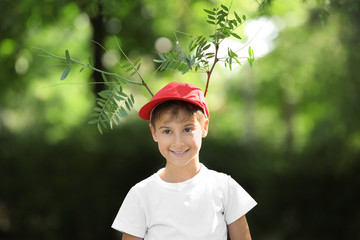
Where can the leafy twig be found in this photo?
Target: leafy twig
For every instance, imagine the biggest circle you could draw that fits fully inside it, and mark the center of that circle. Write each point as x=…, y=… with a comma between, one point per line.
x=195, y=57
x=136, y=69
x=91, y=67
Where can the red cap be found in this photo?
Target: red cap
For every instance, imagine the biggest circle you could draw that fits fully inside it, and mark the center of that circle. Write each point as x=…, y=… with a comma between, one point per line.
x=176, y=91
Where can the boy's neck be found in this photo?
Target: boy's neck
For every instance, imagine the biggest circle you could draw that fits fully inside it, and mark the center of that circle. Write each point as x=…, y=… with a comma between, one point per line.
x=175, y=174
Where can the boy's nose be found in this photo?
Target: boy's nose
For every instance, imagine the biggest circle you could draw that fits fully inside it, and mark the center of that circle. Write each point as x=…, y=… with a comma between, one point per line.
x=178, y=141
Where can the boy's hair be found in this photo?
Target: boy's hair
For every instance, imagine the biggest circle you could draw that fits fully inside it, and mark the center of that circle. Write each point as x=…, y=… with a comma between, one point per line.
x=173, y=107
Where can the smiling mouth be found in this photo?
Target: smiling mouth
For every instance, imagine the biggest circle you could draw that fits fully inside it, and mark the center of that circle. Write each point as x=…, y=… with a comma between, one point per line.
x=180, y=153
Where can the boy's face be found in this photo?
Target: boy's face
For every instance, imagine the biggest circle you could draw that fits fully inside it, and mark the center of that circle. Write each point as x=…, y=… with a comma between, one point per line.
x=179, y=141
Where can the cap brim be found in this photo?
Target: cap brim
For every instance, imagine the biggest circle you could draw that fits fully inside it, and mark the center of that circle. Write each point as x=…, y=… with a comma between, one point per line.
x=145, y=111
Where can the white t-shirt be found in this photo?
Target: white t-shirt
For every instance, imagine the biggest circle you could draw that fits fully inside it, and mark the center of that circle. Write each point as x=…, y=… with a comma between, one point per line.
x=197, y=209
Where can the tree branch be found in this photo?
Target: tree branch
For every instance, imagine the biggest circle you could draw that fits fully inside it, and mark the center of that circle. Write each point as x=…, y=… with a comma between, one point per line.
x=101, y=71
x=212, y=68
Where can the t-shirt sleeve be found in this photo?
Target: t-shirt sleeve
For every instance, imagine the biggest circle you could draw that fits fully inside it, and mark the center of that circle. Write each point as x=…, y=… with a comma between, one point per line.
x=131, y=216
x=238, y=201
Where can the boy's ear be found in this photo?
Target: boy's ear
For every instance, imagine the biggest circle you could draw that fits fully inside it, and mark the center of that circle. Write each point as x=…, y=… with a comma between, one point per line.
x=205, y=128
x=153, y=133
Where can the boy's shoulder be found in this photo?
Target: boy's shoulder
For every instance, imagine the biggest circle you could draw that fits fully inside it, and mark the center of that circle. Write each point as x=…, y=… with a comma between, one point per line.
x=218, y=178
x=143, y=184
x=218, y=174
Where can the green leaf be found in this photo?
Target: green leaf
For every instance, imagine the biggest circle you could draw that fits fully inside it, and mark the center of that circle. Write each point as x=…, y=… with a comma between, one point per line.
x=250, y=51
x=211, y=17
x=210, y=55
x=131, y=104
x=231, y=53
x=227, y=31
x=99, y=128
x=158, y=60
x=222, y=25
x=104, y=77
x=91, y=61
x=113, y=101
x=123, y=94
x=211, y=22
x=163, y=65
x=137, y=61
x=209, y=12
x=129, y=69
x=183, y=68
x=101, y=100
x=237, y=18
x=116, y=119
x=171, y=65
x=188, y=63
x=65, y=73
x=198, y=57
x=225, y=8
x=126, y=65
x=244, y=17
x=162, y=56
x=103, y=123
x=199, y=39
x=103, y=117
x=222, y=13
x=237, y=61
x=127, y=105
x=251, y=62
x=82, y=69
x=132, y=98
x=94, y=114
x=68, y=59
x=105, y=93
x=123, y=113
x=220, y=18
x=235, y=35
x=93, y=121
x=206, y=47
x=203, y=42
x=190, y=46
x=234, y=22
x=119, y=98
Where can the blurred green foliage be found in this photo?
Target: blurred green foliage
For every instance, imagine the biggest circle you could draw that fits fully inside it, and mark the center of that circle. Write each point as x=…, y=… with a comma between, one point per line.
x=288, y=130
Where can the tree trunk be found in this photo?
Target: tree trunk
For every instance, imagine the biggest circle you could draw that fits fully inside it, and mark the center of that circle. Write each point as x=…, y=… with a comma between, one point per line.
x=98, y=37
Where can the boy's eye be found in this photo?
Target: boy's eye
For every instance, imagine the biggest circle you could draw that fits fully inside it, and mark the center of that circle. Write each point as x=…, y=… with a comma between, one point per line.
x=188, y=130
x=167, y=131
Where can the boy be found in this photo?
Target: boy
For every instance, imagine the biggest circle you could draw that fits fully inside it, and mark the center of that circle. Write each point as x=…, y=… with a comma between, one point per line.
x=184, y=200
